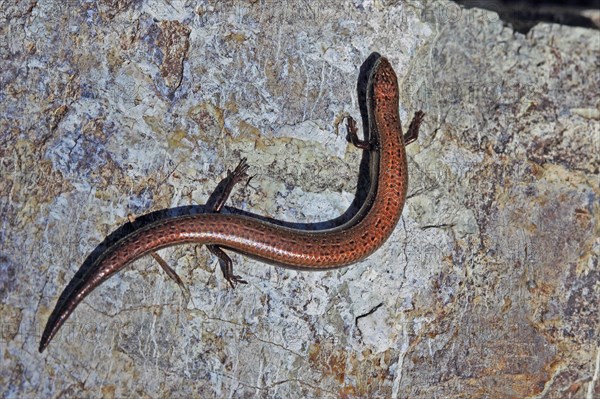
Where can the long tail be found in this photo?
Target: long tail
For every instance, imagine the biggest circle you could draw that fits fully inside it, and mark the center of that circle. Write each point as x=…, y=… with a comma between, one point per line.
x=73, y=294
x=97, y=270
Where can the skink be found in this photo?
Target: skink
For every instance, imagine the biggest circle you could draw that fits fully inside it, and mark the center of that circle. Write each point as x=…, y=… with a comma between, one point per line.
x=288, y=247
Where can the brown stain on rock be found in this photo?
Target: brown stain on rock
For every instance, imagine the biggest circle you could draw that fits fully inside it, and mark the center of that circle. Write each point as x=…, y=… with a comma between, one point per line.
x=174, y=42
x=28, y=181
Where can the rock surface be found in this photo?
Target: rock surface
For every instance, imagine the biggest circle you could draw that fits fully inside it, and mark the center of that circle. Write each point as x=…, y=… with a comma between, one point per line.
x=489, y=287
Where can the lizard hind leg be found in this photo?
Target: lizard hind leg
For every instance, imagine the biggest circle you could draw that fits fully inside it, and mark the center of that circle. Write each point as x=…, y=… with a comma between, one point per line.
x=239, y=174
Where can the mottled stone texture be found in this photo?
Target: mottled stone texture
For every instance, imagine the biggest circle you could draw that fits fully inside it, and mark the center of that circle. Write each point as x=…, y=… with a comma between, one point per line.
x=488, y=288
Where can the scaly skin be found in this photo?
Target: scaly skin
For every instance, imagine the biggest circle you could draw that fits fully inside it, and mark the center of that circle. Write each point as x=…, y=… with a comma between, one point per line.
x=299, y=249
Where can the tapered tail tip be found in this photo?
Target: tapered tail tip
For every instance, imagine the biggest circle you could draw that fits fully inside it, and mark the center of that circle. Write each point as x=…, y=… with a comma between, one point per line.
x=46, y=338
x=43, y=345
